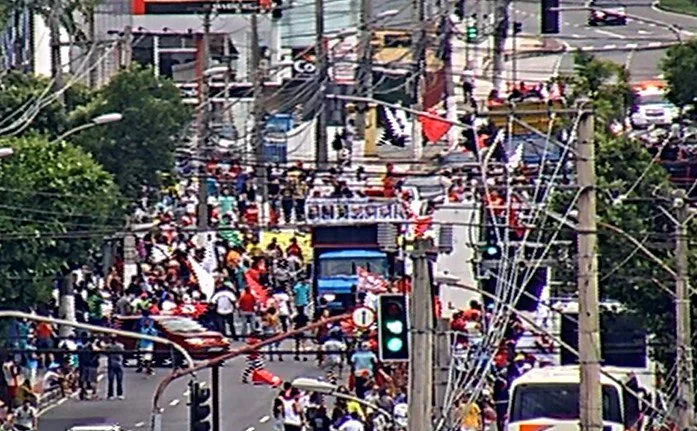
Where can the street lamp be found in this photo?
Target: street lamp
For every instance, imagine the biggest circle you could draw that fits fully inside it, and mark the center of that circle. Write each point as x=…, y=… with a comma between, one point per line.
x=325, y=388
x=100, y=120
x=6, y=152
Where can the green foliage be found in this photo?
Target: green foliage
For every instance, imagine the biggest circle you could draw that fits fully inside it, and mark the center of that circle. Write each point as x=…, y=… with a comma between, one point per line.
x=140, y=148
x=21, y=92
x=56, y=205
x=680, y=71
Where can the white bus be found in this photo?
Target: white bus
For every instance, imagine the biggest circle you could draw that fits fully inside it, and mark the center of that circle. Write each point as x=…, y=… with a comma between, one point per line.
x=548, y=399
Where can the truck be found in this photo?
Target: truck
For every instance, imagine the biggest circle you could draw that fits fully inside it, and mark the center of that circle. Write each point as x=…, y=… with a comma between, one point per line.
x=337, y=254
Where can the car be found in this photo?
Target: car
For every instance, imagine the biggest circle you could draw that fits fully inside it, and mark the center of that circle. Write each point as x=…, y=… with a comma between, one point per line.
x=200, y=342
x=652, y=109
x=607, y=13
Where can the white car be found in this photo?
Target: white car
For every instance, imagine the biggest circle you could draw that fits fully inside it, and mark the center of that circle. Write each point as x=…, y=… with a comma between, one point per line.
x=653, y=109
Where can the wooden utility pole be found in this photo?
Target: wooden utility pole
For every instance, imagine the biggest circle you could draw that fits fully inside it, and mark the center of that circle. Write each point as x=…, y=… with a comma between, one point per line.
x=450, y=101
x=321, y=144
x=92, y=47
x=418, y=53
x=365, y=67
x=421, y=356
x=499, y=42
x=590, y=399
x=202, y=122
x=55, y=42
x=686, y=395
x=259, y=113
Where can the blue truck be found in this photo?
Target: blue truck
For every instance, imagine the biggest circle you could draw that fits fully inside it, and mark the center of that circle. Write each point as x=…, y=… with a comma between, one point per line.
x=338, y=252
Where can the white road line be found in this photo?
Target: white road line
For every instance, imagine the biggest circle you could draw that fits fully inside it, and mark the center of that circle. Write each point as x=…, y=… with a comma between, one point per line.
x=611, y=34
x=628, y=61
x=557, y=65
x=187, y=393
x=576, y=36
x=174, y=402
x=577, y=25
x=655, y=44
x=567, y=23
x=610, y=47
x=139, y=424
x=250, y=429
x=652, y=24
x=264, y=420
x=632, y=45
x=643, y=32
x=587, y=48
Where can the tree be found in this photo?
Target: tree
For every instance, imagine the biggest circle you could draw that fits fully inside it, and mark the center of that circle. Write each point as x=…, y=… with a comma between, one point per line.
x=680, y=72
x=139, y=148
x=20, y=95
x=56, y=206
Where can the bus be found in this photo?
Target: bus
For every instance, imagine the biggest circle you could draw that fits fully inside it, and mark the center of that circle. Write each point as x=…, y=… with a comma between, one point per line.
x=548, y=398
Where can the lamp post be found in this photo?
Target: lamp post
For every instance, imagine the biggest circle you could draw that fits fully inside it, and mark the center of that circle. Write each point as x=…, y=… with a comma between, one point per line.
x=325, y=388
x=100, y=120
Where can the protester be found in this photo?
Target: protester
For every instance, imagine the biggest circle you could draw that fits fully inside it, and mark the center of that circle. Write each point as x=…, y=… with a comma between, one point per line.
x=26, y=418
x=115, y=352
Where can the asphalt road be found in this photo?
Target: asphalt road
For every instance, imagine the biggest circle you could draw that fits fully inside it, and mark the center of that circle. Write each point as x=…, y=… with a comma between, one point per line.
x=242, y=408
x=634, y=45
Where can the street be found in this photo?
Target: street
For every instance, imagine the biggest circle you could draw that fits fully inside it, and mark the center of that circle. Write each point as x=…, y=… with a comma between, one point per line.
x=242, y=407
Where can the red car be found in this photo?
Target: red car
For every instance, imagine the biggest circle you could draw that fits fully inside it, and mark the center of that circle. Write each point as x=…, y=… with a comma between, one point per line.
x=194, y=337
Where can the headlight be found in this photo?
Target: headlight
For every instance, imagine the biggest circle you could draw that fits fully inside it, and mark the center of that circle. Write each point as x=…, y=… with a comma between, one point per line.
x=194, y=341
x=599, y=14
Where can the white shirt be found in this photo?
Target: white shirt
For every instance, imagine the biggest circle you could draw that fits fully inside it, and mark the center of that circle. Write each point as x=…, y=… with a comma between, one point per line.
x=352, y=425
x=25, y=416
x=282, y=300
x=290, y=416
x=224, y=301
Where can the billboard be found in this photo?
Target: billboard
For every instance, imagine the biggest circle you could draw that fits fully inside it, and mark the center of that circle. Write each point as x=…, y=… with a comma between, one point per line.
x=177, y=7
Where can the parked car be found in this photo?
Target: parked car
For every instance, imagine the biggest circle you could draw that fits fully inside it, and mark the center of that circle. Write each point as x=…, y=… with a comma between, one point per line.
x=200, y=342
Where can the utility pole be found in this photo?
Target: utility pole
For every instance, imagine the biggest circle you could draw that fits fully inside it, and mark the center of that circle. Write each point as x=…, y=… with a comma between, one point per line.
x=686, y=395
x=202, y=126
x=499, y=42
x=321, y=144
x=92, y=48
x=365, y=68
x=421, y=361
x=418, y=49
x=442, y=359
x=55, y=42
x=127, y=54
x=258, y=113
x=450, y=101
x=590, y=399
x=514, y=50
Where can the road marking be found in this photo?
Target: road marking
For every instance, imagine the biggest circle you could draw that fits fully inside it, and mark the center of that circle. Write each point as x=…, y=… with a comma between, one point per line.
x=632, y=45
x=577, y=25
x=643, y=32
x=587, y=48
x=576, y=36
x=655, y=44
x=264, y=420
x=630, y=57
x=610, y=47
x=652, y=24
x=139, y=424
x=567, y=23
x=611, y=34
x=250, y=429
x=557, y=65
x=174, y=402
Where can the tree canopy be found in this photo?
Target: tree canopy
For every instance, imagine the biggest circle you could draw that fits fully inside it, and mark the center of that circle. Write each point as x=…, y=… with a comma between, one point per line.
x=56, y=205
x=680, y=72
x=140, y=148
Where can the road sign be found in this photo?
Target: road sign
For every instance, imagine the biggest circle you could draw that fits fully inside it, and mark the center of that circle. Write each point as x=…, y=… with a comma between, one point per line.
x=363, y=317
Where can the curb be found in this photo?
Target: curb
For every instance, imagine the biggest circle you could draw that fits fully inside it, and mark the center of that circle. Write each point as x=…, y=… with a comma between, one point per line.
x=660, y=8
x=618, y=48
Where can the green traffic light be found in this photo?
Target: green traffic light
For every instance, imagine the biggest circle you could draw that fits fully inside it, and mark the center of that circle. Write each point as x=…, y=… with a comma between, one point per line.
x=394, y=345
x=491, y=250
x=395, y=326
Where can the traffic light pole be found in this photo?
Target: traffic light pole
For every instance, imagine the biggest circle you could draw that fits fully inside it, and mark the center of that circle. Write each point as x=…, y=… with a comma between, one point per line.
x=215, y=397
x=421, y=346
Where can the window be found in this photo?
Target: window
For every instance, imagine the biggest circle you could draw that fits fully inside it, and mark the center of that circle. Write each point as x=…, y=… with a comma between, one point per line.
x=650, y=99
x=349, y=266
x=559, y=401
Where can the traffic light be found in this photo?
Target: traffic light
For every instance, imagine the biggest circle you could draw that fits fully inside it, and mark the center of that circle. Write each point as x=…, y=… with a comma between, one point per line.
x=199, y=411
x=491, y=250
x=472, y=32
x=550, y=17
x=393, y=328
x=517, y=27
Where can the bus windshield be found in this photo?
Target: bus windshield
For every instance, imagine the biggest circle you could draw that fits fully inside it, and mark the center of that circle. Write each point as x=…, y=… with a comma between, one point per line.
x=559, y=401
x=349, y=266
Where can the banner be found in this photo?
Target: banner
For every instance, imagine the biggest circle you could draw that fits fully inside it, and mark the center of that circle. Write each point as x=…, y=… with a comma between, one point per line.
x=343, y=56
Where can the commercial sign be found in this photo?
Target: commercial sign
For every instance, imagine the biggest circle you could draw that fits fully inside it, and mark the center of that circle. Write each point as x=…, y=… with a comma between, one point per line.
x=176, y=7
x=343, y=56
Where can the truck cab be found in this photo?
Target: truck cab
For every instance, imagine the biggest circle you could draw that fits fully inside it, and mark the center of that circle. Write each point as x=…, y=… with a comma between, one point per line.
x=336, y=273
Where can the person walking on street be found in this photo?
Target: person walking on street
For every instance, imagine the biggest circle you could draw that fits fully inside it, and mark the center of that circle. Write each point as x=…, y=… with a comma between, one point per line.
x=301, y=294
x=115, y=368
x=247, y=305
x=292, y=411
x=147, y=346
x=224, y=301
x=26, y=417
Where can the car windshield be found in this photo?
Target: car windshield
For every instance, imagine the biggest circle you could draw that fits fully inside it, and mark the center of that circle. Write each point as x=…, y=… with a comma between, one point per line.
x=182, y=325
x=349, y=266
x=650, y=99
x=559, y=401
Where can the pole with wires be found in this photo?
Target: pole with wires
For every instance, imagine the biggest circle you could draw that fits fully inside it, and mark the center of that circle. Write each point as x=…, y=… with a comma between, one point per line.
x=365, y=67
x=499, y=42
x=450, y=101
x=321, y=144
x=202, y=122
x=92, y=49
x=259, y=114
x=418, y=51
x=55, y=42
x=590, y=394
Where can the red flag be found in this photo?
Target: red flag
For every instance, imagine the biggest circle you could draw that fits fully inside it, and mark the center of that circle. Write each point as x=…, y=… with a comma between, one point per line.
x=434, y=129
x=369, y=282
x=422, y=225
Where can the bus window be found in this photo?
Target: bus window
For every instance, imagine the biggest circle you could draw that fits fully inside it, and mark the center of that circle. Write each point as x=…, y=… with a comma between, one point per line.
x=559, y=401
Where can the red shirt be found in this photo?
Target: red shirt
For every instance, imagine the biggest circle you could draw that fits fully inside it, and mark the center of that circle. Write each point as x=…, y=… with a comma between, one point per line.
x=247, y=302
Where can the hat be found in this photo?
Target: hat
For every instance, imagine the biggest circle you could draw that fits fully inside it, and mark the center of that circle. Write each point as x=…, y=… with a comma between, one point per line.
x=520, y=357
